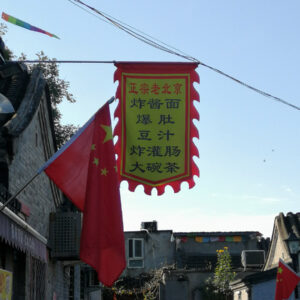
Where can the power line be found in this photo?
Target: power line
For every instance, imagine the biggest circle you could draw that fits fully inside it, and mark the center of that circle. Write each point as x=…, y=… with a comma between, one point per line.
x=113, y=62
x=141, y=32
x=251, y=87
x=135, y=34
x=89, y=12
x=145, y=38
x=54, y=61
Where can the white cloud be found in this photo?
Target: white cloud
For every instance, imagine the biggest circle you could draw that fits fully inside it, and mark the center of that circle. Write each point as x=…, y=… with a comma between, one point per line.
x=186, y=214
x=270, y=199
x=188, y=220
x=262, y=199
x=288, y=190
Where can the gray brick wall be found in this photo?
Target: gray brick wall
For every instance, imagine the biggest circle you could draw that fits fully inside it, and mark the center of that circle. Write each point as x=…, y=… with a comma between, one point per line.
x=31, y=149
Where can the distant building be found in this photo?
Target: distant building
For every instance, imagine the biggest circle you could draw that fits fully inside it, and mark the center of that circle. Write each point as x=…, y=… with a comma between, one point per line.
x=261, y=284
x=192, y=254
x=148, y=249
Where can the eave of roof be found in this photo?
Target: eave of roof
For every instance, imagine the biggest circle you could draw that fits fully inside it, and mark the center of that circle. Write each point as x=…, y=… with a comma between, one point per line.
x=255, y=277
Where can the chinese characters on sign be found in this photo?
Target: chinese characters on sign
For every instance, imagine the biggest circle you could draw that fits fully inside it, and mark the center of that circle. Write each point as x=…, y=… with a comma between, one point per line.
x=155, y=144
x=155, y=128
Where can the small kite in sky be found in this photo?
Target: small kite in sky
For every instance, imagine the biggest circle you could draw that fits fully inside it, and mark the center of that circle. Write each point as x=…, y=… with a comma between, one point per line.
x=23, y=24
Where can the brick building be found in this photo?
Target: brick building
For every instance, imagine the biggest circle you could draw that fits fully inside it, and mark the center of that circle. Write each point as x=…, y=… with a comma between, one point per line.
x=26, y=142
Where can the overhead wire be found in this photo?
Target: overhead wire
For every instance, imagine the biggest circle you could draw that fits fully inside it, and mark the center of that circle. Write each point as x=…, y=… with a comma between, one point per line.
x=149, y=36
x=135, y=34
x=89, y=12
x=55, y=61
x=148, y=39
x=251, y=87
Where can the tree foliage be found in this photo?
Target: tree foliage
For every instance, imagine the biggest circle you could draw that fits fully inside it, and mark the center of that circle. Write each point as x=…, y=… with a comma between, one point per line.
x=7, y=53
x=217, y=288
x=3, y=29
x=223, y=271
x=58, y=89
x=142, y=287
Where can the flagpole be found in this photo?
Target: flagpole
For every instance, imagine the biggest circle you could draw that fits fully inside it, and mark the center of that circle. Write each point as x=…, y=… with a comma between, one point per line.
x=111, y=100
x=18, y=192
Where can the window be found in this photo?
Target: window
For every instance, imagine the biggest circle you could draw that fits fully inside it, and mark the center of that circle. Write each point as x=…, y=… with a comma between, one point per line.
x=135, y=253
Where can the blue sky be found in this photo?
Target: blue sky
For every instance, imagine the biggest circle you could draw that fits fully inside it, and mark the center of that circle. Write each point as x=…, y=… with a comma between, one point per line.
x=249, y=145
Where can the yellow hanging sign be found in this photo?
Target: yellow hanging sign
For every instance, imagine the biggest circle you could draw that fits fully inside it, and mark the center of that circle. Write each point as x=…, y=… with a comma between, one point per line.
x=155, y=124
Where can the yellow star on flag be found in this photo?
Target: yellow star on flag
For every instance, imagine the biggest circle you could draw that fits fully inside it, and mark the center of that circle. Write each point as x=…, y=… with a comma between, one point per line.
x=108, y=131
x=93, y=147
x=104, y=171
x=96, y=161
x=280, y=270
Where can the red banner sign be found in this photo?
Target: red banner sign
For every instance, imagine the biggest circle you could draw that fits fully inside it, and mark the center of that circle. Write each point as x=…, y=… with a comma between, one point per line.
x=155, y=128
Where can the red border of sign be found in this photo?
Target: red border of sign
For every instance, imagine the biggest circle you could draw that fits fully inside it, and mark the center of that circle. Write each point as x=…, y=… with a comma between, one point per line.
x=186, y=70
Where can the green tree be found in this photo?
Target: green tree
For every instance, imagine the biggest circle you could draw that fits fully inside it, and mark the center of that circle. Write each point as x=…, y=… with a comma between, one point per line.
x=3, y=29
x=7, y=53
x=217, y=287
x=223, y=271
x=58, y=89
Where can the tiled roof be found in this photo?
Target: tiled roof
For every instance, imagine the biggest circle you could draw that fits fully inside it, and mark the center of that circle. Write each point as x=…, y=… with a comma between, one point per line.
x=283, y=226
x=287, y=224
x=254, y=277
x=292, y=223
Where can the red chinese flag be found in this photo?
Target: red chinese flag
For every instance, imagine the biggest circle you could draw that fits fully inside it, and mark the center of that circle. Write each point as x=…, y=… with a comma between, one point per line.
x=85, y=170
x=286, y=281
